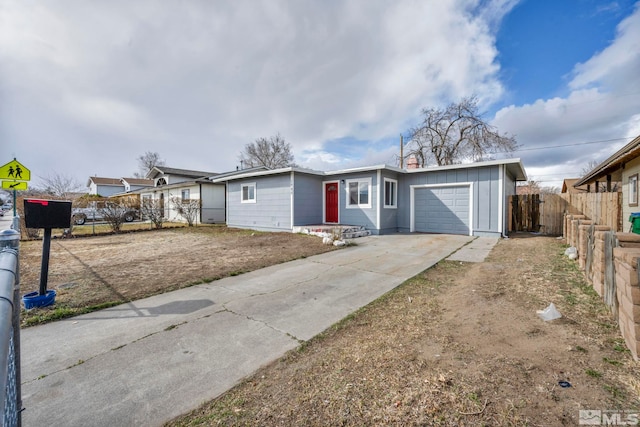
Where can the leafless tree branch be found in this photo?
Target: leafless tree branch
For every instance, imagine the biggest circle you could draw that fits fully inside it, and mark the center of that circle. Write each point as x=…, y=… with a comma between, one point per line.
x=146, y=162
x=456, y=133
x=272, y=152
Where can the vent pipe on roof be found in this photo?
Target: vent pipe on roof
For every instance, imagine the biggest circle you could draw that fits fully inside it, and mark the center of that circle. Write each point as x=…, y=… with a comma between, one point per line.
x=401, y=152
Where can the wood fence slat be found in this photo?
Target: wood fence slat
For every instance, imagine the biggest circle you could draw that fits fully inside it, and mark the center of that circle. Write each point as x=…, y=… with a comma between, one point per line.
x=545, y=212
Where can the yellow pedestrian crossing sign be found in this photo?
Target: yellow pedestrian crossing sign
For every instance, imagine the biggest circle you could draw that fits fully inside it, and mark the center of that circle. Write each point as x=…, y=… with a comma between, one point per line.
x=15, y=171
x=14, y=185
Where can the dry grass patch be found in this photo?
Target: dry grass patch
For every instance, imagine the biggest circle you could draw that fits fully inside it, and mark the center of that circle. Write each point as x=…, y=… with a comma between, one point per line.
x=95, y=272
x=460, y=344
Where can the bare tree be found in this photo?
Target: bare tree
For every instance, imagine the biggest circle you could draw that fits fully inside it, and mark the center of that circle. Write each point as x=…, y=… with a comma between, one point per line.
x=60, y=185
x=591, y=165
x=455, y=134
x=114, y=214
x=533, y=187
x=602, y=186
x=272, y=152
x=146, y=162
x=530, y=187
x=550, y=190
x=187, y=209
x=153, y=211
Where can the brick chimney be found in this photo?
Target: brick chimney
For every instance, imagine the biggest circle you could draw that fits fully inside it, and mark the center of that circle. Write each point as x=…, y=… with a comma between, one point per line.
x=412, y=162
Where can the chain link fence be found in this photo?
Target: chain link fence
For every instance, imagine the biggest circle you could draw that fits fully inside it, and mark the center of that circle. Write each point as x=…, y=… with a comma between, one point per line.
x=11, y=400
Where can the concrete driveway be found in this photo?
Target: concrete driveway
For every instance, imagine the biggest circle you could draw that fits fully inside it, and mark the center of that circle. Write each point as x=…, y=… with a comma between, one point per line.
x=143, y=363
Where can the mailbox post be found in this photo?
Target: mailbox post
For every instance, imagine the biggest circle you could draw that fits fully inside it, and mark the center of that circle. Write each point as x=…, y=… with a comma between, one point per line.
x=46, y=214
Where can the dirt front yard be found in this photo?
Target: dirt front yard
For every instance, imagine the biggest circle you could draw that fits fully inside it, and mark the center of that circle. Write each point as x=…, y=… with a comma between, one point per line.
x=460, y=344
x=95, y=272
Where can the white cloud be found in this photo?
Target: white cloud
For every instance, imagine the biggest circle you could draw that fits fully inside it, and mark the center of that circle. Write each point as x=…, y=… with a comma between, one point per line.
x=616, y=67
x=601, y=105
x=198, y=80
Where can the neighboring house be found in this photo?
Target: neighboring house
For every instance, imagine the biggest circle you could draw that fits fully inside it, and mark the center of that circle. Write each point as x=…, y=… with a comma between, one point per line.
x=133, y=184
x=469, y=199
x=106, y=187
x=210, y=197
x=164, y=175
x=623, y=166
x=173, y=185
x=568, y=186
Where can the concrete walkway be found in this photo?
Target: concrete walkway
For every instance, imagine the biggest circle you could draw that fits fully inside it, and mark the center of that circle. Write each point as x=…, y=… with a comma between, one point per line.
x=143, y=363
x=476, y=251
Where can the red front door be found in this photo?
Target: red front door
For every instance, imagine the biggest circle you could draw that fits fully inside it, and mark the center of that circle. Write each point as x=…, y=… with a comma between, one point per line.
x=331, y=202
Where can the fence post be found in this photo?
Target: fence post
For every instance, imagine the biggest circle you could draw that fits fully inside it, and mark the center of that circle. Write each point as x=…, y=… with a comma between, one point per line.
x=610, y=296
x=10, y=378
x=591, y=243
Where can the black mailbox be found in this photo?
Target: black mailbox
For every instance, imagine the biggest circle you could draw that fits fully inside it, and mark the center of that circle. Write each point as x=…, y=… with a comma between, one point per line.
x=47, y=213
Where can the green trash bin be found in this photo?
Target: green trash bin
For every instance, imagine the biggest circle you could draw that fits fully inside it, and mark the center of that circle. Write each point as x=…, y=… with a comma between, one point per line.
x=634, y=219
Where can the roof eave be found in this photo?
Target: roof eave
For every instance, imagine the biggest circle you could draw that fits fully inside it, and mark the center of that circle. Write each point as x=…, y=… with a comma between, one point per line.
x=613, y=163
x=266, y=173
x=514, y=166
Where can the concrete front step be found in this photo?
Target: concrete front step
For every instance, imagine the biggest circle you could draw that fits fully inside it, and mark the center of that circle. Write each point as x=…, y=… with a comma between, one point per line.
x=343, y=231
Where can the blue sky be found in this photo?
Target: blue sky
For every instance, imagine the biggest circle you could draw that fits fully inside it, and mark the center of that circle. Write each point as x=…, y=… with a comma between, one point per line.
x=540, y=42
x=86, y=87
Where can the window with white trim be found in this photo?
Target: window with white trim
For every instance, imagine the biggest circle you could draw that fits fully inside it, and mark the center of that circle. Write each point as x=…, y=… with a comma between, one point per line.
x=359, y=193
x=390, y=193
x=249, y=193
x=633, y=190
x=185, y=195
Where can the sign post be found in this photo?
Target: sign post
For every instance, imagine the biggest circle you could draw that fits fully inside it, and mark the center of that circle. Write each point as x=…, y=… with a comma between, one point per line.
x=17, y=173
x=45, y=214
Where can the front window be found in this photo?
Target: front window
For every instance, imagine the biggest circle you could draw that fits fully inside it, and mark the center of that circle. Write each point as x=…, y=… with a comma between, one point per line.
x=359, y=193
x=185, y=195
x=249, y=193
x=390, y=193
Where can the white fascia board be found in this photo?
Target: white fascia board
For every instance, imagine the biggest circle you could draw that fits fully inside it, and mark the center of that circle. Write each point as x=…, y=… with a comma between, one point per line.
x=364, y=169
x=512, y=165
x=266, y=173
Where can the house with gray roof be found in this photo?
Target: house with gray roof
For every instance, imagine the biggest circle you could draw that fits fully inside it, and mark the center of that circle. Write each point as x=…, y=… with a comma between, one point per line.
x=105, y=187
x=469, y=199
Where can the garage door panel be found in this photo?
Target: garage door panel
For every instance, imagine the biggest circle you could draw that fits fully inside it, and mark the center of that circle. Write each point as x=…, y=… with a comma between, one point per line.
x=442, y=209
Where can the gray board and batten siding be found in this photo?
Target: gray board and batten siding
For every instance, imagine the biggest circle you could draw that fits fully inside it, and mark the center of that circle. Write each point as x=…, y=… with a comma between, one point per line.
x=461, y=197
x=389, y=214
x=307, y=207
x=364, y=216
x=271, y=210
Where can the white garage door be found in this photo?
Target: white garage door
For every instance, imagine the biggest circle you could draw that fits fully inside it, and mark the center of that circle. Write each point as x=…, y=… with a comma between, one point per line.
x=442, y=210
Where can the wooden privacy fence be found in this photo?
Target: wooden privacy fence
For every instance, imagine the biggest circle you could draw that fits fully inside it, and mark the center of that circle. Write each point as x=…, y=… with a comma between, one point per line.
x=523, y=212
x=537, y=212
x=544, y=213
x=602, y=208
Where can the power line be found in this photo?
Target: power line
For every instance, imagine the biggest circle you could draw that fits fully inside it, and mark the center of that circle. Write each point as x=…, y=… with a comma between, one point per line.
x=555, y=174
x=572, y=145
